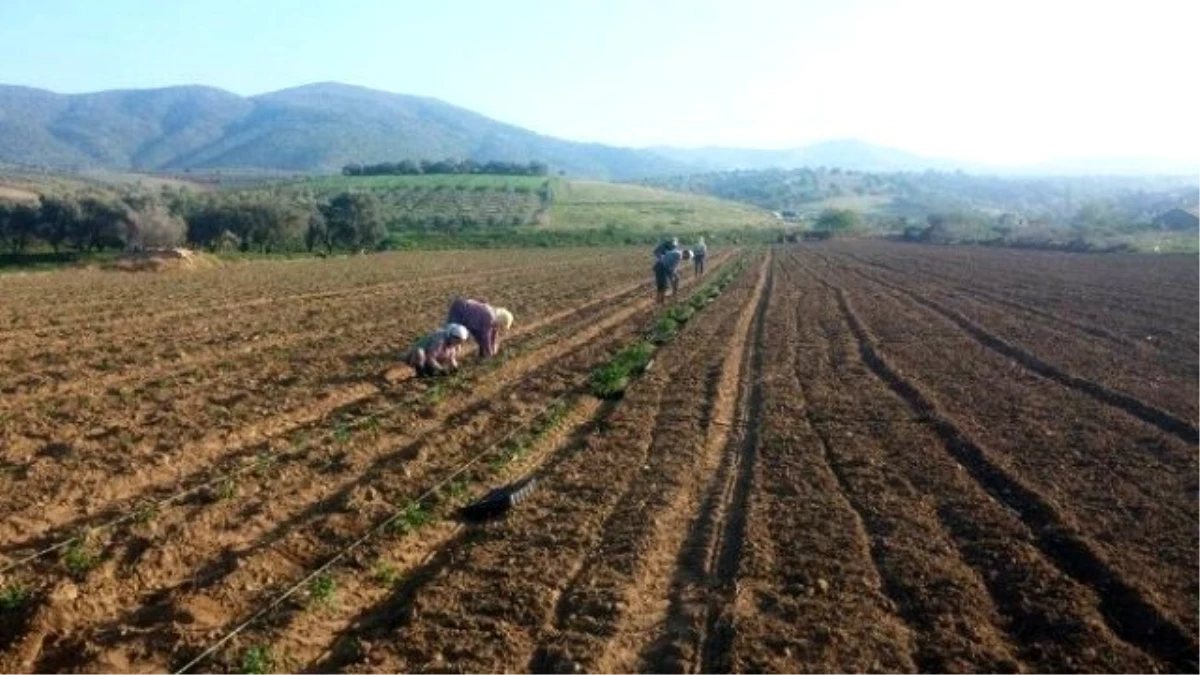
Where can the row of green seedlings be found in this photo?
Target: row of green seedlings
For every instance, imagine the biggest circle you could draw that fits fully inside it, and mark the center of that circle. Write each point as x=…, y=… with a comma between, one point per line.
x=612, y=379
x=416, y=515
x=80, y=556
x=82, y=553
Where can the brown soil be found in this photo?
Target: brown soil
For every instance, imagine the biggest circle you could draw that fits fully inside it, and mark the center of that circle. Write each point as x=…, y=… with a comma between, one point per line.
x=859, y=457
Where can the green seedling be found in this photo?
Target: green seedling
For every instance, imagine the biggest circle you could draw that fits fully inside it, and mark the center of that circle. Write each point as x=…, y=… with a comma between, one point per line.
x=371, y=424
x=456, y=489
x=414, y=517
x=146, y=512
x=665, y=330
x=611, y=380
x=387, y=575
x=321, y=589
x=12, y=598
x=341, y=434
x=78, y=558
x=226, y=489
x=436, y=394
x=264, y=461
x=681, y=313
x=257, y=660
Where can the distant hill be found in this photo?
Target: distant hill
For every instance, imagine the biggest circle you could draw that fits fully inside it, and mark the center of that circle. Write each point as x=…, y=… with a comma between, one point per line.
x=319, y=127
x=322, y=127
x=848, y=154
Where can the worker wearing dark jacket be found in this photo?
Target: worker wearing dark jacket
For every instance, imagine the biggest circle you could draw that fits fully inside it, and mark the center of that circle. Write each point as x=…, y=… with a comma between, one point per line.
x=666, y=272
x=699, y=255
x=664, y=246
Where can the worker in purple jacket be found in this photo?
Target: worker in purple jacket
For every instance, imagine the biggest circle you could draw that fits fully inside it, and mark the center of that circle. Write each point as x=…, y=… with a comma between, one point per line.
x=437, y=352
x=483, y=321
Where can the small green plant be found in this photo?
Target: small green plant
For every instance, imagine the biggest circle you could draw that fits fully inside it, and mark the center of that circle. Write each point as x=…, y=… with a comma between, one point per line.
x=387, y=575
x=665, y=330
x=611, y=379
x=341, y=434
x=414, y=517
x=12, y=597
x=371, y=424
x=456, y=489
x=681, y=313
x=435, y=394
x=264, y=462
x=146, y=512
x=321, y=589
x=79, y=558
x=257, y=659
x=226, y=489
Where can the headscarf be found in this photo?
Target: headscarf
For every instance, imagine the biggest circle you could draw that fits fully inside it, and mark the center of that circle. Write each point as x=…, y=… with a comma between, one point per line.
x=504, y=318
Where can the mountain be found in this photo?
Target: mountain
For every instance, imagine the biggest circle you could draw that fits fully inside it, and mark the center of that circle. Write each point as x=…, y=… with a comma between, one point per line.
x=322, y=127
x=845, y=154
x=318, y=127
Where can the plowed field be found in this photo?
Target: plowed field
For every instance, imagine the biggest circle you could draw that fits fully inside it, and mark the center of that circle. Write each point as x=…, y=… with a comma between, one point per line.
x=855, y=457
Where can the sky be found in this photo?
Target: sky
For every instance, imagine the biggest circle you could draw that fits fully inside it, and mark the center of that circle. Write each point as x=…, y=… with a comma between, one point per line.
x=1003, y=82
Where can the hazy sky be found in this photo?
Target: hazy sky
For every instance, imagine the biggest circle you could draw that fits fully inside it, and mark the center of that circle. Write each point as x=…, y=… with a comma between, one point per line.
x=1003, y=81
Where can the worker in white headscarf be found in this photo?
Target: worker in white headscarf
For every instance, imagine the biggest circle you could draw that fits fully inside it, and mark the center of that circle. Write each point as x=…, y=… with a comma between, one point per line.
x=437, y=352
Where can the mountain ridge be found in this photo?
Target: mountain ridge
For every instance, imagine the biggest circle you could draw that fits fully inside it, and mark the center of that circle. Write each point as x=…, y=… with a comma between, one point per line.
x=322, y=126
x=317, y=127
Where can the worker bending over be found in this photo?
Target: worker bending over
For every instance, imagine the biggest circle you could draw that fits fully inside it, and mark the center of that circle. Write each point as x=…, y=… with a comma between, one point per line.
x=666, y=272
x=483, y=321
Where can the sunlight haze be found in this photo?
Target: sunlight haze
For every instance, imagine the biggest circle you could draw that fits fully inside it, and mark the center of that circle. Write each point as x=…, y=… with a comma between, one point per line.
x=998, y=82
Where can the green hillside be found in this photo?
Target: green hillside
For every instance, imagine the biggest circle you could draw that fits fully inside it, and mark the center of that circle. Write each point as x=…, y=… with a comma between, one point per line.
x=596, y=205
x=314, y=128
x=467, y=201
x=441, y=202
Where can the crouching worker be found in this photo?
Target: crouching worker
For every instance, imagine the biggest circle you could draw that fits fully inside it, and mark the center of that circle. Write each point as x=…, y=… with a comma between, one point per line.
x=666, y=272
x=437, y=353
x=483, y=321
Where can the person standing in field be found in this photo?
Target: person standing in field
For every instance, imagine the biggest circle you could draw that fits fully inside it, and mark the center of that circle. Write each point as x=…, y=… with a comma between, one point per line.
x=483, y=321
x=699, y=253
x=437, y=352
x=666, y=272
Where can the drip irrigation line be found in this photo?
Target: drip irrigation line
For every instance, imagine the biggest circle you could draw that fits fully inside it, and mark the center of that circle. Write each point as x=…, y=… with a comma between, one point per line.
x=396, y=515
x=135, y=512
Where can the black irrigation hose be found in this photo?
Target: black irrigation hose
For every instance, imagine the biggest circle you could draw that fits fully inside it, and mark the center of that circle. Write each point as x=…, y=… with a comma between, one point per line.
x=396, y=515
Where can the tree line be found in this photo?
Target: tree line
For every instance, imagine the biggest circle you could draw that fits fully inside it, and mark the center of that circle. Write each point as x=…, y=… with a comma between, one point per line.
x=88, y=222
x=410, y=167
x=256, y=221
